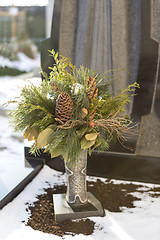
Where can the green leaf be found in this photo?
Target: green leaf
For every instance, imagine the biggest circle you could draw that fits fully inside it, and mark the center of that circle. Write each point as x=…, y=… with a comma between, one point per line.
x=91, y=136
x=90, y=151
x=98, y=142
x=52, y=126
x=81, y=132
x=56, y=56
x=47, y=148
x=87, y=144
x=26, y=132
x=34, y=132
x=65, y=156
x=55, y=152
x=44, y=137
x=31, y=133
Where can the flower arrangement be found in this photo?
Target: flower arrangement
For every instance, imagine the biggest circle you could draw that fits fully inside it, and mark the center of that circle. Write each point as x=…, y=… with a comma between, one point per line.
x=72, y=110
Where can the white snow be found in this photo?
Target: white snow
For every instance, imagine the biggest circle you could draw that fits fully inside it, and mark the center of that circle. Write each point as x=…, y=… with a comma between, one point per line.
x=139, y=223
x=23, y=64
x=10, y=87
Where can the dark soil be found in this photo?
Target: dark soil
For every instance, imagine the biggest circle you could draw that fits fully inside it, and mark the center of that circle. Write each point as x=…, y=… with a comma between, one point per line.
x=112, y=197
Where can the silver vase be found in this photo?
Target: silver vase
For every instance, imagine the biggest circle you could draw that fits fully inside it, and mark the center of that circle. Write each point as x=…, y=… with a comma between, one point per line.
x=76, y=194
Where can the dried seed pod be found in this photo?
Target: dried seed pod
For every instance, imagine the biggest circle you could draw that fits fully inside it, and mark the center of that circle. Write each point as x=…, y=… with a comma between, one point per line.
x=95, y=95
x=93, y=89
x=90, y=97
x=91, y=124
x=84, y=112
x=92, y=86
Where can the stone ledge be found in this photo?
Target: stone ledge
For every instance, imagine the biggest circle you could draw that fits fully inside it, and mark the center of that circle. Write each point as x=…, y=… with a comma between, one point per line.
x=64, y=211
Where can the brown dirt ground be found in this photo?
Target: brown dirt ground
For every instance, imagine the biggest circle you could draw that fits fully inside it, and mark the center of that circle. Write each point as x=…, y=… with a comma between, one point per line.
x=112, y=197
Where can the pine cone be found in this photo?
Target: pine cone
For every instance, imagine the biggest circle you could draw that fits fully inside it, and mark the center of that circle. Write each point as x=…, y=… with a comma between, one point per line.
x=64, y=107
x=92, y=86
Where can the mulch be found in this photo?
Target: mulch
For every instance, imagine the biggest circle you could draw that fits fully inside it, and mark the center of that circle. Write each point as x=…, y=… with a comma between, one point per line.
x=112, y=197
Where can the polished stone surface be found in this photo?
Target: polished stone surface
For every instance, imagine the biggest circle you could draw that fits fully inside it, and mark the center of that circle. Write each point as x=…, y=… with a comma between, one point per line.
x=10, y=179
x=76, y=179
x=64, y=211
x=155, y=31
x=149, y=135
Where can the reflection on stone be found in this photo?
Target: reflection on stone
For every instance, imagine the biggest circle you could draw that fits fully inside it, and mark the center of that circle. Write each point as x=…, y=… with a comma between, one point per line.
x=11, y=178
x=3, y=189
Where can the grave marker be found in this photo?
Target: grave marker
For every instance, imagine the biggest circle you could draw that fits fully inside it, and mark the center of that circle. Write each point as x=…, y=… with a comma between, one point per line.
x=149, y=136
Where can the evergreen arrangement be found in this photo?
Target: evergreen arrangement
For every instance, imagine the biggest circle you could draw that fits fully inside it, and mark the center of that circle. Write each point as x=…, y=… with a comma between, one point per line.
x=72, y=110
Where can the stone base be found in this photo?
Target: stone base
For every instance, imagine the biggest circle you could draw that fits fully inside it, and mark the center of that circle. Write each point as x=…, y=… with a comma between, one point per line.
x=64, y=211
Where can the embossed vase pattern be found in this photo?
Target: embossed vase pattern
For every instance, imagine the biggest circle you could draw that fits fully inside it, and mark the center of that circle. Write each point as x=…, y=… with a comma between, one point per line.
x=76, y=194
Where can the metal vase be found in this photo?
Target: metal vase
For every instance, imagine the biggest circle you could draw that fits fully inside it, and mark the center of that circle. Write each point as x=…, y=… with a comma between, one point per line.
x=76, y=194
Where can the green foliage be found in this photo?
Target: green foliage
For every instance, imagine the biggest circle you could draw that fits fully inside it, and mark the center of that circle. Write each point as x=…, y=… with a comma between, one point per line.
x=103, y=121
x=34, y=108
x=107, y=106
x=65, y=143
x=10, y=71
x=63, y=73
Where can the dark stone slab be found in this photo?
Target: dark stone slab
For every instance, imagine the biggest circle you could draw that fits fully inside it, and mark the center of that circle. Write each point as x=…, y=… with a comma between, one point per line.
x=46, y=60
x=149, y=136
x=53, y=41
x=147, y=65
x=8, y=193
x=148, y=143
x=55, y=30
x=122, y=166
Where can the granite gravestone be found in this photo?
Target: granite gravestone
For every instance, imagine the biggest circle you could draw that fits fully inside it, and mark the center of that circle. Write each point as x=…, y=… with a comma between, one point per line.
x=101, y=35
x=127, y=25
x=53, y=41
x=149, y=135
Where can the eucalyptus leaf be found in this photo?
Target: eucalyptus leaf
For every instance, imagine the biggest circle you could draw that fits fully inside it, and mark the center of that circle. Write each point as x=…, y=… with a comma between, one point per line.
x=91, y=136
x=30, y=137
x=65, y=157
x=52, y=126
x=26, y=132
x=55, y=152
x=44, y=137
x=31, y=133
x=98, y=142
x=87, y=144
x=90, y=151
x=34, y=132
x=81, y=132
x=47, y=148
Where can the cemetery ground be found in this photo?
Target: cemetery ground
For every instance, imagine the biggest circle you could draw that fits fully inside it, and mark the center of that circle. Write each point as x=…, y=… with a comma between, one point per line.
x=132, y=209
